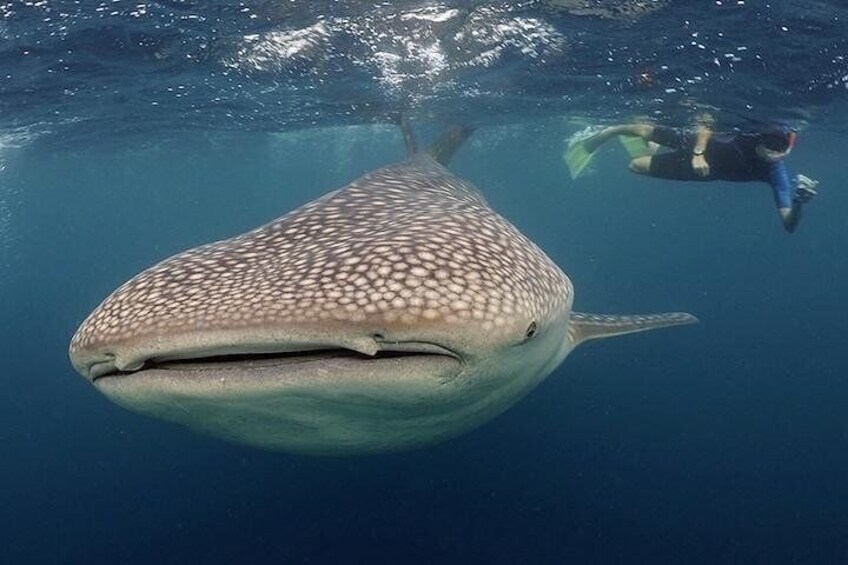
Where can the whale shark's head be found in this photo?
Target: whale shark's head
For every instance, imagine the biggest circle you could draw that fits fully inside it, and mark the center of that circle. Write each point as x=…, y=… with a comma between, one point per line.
x=395, y=312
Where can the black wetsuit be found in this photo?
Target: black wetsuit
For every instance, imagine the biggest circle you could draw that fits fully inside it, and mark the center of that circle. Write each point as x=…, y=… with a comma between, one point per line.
x=731, y=157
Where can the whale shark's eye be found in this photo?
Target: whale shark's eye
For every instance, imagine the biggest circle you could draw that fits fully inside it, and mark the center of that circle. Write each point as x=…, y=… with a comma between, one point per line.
x=531, y=331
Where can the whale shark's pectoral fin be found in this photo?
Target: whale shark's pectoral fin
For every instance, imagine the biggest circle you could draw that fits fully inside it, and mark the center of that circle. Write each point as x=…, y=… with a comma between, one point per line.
x=584, y=327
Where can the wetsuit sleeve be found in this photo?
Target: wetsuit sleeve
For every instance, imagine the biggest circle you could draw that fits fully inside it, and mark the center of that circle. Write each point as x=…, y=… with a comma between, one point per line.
x=779, y=181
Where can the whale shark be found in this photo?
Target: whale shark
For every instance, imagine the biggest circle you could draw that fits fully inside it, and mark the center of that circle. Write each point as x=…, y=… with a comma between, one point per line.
x=398, y=311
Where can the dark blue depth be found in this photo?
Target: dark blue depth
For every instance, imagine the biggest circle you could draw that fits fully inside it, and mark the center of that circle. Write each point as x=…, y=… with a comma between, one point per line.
x=719, y=443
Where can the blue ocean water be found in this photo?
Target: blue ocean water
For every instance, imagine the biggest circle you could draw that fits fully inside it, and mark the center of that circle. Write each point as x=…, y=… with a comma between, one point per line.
x=130, y=131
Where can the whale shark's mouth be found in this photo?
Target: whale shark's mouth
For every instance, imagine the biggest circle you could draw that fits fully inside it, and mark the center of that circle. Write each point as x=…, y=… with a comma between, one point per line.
x=332, y=400
x=283, y=360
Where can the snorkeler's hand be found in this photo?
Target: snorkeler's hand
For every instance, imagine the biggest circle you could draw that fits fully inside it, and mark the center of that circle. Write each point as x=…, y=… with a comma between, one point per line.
x=700, y=166
x=805, y=189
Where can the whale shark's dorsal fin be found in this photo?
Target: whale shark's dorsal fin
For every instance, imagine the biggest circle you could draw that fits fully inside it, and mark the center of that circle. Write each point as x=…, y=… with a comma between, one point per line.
x=583, y=327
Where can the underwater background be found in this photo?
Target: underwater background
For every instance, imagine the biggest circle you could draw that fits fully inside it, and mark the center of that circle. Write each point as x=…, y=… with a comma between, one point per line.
x=724, y=442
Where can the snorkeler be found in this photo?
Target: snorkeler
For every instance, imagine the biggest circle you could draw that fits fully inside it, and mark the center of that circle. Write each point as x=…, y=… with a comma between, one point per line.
x=700, y=154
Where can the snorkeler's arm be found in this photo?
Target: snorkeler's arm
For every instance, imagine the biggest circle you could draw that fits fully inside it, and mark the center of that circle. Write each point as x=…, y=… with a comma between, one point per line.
x=791, y=216
x=788, y=207
x=805, y=190
x=699, y=161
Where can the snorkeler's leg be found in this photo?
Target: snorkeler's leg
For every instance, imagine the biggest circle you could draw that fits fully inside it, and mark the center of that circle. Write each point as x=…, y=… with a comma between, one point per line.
x=665, y=165
x=645, y=131
x=641, y=165
x=579, y=154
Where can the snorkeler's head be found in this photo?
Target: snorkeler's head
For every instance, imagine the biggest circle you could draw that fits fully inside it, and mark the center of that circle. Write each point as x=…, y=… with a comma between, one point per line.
x=775, y=140
x=777, y=136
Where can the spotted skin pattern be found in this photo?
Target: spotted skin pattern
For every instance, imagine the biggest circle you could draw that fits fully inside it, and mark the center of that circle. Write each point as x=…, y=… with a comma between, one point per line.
x=406, y=244
x=396, y=312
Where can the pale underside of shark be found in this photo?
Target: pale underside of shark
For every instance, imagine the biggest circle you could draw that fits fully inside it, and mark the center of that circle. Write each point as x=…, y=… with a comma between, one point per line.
x=398, y=311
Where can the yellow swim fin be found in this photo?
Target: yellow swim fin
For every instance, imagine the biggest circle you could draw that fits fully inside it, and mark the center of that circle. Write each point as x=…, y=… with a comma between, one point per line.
x=577, y=156
x=635, y=146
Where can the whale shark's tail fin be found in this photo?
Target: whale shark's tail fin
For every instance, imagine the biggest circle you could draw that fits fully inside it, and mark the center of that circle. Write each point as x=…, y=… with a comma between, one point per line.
x=408, y=135
x=443, y=149
x=584, y=327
